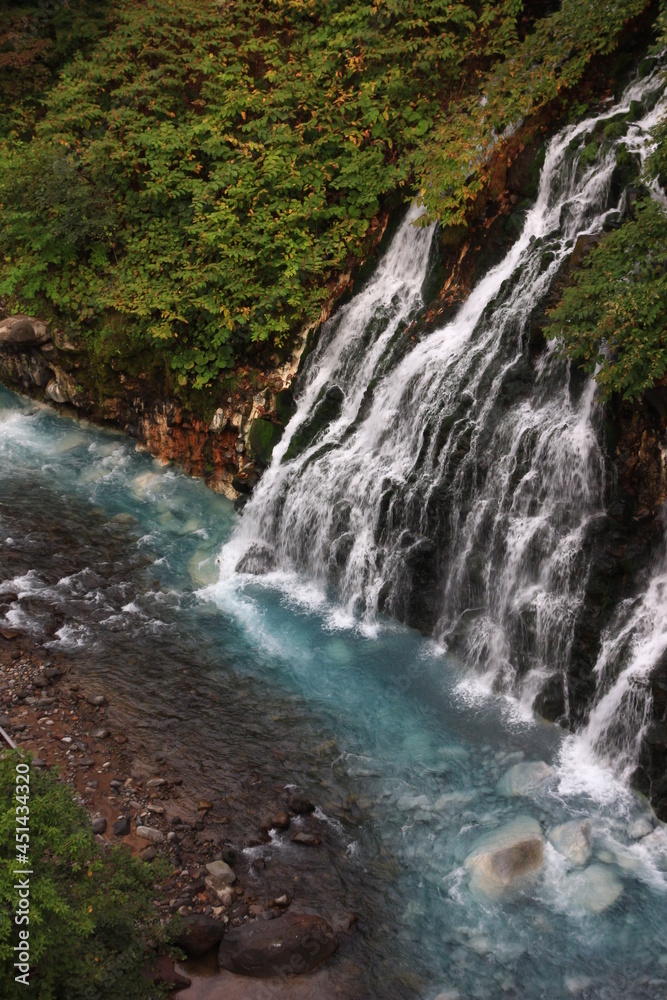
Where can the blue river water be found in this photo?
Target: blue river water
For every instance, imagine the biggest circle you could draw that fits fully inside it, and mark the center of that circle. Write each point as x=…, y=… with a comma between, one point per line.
x=115, y=559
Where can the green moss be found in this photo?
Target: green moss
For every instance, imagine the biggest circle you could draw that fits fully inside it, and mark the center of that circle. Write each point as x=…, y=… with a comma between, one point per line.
x=263, y=436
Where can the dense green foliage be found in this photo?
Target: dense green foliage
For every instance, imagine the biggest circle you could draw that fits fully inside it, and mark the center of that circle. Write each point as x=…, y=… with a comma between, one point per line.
x=201, y=172
x=550, y=60
x=613, y=318
x=36, y=39
x=91, y=915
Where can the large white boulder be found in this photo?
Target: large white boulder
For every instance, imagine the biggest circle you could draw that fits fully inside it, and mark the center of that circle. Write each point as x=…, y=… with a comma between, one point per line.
x=506, y=857
x=525, y=778
x=595, y=889
x=572, y=840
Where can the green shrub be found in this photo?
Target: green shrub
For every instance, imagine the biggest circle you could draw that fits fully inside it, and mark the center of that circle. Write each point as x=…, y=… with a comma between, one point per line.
x=91, y=917
x=613, y=318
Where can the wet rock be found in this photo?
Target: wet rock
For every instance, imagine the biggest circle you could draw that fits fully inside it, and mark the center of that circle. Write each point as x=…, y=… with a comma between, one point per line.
x=57, y=392
x=98, y=700
x=258, y=560
x=289, y=945
x=22, y=332
x=222, y=890
x=307, y=839
x=221, y=870
x=640, y=828
x=121, y=827
x=150, y=833
x=200, y=934
x=525, y=778
x=572, y=840
x=156, y=783
x=99, y=824
x=595, y=889
x=280, y=821
x=300, y=806
x=505, y=857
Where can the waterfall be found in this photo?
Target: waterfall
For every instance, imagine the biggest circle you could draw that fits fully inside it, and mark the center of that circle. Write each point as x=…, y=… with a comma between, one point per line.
x=452, y=479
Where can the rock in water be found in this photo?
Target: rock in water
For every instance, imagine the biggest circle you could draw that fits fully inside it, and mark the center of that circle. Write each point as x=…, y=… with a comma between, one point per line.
x=289, y=945
x=258, y=560
x=640, y=828
x=505, y=857
x=200, y=934
x=596, y=888
x=572, y=840
x=524, y=779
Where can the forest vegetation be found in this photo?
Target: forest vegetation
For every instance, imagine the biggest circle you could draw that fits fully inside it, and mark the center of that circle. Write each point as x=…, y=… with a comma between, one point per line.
x=191, y=177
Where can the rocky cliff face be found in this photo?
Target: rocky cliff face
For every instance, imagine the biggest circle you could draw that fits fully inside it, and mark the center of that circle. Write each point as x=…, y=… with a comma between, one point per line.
x=226, y=448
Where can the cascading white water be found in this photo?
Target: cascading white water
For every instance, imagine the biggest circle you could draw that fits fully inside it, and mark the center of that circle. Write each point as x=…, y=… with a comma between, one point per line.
x=453, y=480
x=631, y=647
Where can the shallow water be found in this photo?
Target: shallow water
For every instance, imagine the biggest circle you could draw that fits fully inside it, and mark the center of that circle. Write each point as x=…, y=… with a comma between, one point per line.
x=114, y=560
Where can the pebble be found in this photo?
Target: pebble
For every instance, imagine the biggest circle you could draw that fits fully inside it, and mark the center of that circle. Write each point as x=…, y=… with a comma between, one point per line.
x=121, y=827
x=99, y=824
x=307, y=839
x=98, y=700
x=150, y=833
x=221, y=870
x=156, y=782
x=224, y=892
x=280, y=821
x=148, y=854
x=100, y=734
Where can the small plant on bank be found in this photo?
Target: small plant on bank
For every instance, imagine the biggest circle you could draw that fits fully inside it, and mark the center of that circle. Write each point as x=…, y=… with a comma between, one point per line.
x=93, y=926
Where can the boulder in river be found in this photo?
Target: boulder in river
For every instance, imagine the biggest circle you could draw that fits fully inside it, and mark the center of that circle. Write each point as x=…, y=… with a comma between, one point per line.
x=640, y=828
x=525, y=778
x=504, y=858
x=258, y=560
x=595, y=889
x=572, y=840
x=289, y=945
